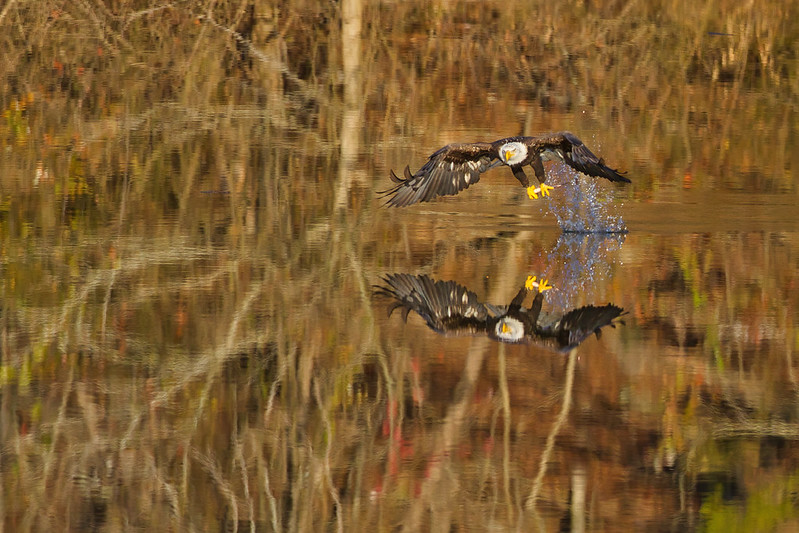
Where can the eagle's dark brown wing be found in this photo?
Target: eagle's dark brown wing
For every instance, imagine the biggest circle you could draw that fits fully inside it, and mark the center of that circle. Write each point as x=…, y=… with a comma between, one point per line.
x=451, y=309
x=447, y=307
x=448, y=171
x=568, y=148
x=579, y=324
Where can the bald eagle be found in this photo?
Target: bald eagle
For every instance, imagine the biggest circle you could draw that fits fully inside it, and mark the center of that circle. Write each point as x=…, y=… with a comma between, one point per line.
x=457, y=166
x=451, y=309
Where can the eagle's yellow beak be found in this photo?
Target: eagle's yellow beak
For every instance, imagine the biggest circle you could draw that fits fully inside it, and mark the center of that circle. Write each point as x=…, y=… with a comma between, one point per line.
x=509, y=154
x=505, y=328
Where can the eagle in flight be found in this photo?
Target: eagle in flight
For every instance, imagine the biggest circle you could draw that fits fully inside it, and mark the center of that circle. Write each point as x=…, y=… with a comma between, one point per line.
x=451, y=309
x=457, y=166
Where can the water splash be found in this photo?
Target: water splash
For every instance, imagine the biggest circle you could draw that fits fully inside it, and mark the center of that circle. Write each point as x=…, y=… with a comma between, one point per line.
x=581, y=205
x=581, y=260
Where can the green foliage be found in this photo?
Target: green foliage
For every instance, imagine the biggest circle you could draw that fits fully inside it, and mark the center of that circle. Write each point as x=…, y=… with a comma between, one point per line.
x=769, y=507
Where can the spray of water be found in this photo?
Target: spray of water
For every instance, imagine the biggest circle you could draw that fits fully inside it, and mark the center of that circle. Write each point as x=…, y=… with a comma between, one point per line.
x=581, y=205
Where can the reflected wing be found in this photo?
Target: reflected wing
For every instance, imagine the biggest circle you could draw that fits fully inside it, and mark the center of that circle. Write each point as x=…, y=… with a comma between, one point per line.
x=578, y=324
x=446, y=306
x=447, y=172
x=568, y=148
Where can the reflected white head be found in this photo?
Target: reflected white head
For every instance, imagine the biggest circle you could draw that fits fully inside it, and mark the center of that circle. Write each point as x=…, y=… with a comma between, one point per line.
x=509, y=329
x=512, y=153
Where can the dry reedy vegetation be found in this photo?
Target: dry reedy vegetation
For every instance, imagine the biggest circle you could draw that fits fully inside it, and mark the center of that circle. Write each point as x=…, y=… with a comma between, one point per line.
x=189, y=240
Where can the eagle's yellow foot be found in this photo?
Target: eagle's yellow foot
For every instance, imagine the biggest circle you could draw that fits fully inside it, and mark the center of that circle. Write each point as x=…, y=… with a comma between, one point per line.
x=542, y=189
x=531, y=284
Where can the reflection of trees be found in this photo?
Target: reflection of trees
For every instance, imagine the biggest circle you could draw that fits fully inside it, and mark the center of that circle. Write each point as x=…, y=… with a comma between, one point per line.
x=718, y=308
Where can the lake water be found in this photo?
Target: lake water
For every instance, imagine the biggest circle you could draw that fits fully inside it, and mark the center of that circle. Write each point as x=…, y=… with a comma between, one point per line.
x=191, y=241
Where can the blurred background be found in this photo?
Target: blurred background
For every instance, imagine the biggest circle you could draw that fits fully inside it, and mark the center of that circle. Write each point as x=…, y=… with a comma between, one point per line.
x=191, y=236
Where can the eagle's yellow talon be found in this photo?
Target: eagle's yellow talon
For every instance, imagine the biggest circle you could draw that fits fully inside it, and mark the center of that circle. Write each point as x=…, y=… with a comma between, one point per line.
x=532, y=284
x=543, y=189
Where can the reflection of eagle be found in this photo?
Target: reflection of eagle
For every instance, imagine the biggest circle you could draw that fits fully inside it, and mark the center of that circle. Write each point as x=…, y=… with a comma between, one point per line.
x=456, y=166
x=452, y=309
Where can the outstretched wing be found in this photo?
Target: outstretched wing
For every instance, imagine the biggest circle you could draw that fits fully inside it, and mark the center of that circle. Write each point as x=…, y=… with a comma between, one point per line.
x=568, y=148
x=446, y=306
x=579, y=324
x=447, y=172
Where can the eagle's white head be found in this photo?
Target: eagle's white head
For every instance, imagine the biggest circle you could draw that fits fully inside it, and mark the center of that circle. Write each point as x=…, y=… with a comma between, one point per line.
x=512, y=153
x=509, y=329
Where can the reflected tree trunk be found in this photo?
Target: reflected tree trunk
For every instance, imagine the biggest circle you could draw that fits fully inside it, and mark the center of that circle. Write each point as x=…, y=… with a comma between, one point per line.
x=436, y=489
x=351, y=22
x=578, y=490
x=532, y=499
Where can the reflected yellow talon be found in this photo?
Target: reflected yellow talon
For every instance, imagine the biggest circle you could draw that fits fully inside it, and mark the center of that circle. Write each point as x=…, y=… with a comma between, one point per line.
x=531, y=284
x=545, y=189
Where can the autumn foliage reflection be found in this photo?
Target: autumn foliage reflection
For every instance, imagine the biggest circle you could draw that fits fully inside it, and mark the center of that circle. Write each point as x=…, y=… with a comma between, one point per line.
x=189, y=235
